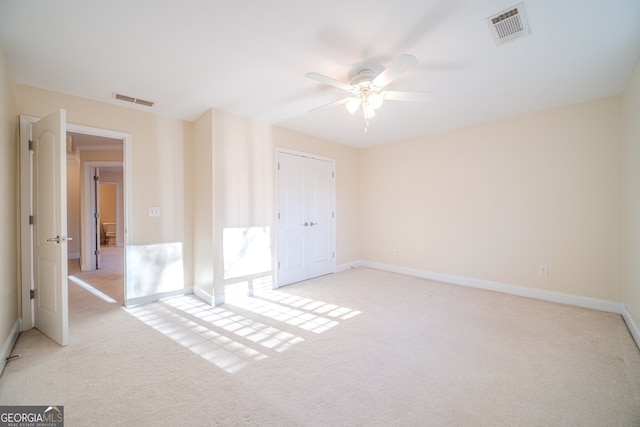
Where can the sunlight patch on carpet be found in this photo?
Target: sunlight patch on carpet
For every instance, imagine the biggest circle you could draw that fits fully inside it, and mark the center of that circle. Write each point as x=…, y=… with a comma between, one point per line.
x=226, y=339
x=91, y=289
x=235, y=335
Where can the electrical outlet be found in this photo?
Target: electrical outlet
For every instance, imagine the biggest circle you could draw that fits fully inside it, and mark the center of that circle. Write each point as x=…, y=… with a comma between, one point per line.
x=380, y=249
x=543, y=270
x=395, y=252
x=154, y=211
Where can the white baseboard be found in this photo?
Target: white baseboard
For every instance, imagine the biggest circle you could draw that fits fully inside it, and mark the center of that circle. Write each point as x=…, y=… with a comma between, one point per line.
x=569, y=299
x=73, y=255
x=346, y=266
x=209, y=298
x=7, y=347
x=580, y=301
x=219, y=299
x=203, y=295
x=632, y=325
x=132, y=302
x=558, y=297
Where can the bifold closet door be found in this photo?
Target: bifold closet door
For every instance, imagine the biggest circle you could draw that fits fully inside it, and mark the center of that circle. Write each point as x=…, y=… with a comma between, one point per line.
x=306, y=218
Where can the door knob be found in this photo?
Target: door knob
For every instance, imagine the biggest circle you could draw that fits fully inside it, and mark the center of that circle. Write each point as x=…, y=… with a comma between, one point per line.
x=59, y=239
x=313, y=223
x=305, y=224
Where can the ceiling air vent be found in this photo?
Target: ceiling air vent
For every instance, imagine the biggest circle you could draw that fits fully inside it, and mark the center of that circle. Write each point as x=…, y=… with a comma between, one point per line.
x=133, y=100
x=509, y=24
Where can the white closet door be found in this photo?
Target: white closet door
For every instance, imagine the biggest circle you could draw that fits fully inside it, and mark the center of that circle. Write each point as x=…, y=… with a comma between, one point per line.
x=320, y=214
x=292, y=232
x=306, y=218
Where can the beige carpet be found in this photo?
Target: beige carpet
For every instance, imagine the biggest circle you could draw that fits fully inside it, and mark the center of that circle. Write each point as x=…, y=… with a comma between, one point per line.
x=359, y=348
x=109, y=279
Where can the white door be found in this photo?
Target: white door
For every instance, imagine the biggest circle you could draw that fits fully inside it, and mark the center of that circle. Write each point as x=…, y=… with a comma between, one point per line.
x=51, y=311
x=306, y=218
x=321, y=217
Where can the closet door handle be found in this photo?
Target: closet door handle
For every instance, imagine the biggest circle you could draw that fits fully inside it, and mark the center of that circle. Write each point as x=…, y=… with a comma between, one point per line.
x=313, y=223
x=306, y=224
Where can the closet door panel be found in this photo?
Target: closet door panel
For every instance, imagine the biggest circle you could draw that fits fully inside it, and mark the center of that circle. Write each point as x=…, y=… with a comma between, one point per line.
x=320, y=197
x=292, y=232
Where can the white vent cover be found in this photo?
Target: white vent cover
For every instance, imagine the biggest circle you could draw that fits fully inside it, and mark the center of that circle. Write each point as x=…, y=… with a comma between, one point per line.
x=509, y=24
x=126, y=98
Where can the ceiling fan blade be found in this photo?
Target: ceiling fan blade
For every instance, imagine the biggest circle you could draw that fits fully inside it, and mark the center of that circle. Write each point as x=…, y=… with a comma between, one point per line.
x=396, y=95
x=338, y=102
x=330, y=81
x=398, y=66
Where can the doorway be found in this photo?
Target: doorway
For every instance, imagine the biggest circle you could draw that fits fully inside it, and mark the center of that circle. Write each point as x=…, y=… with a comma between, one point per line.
x=26, y=177
x=102, y=214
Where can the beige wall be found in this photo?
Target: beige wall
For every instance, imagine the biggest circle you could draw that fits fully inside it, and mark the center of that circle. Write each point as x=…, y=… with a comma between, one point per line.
x=497, y=200
x=157, y=159
x=9, y=225
x=201, y=177
x=631, y=205
x=234, y=160
x=73, y=207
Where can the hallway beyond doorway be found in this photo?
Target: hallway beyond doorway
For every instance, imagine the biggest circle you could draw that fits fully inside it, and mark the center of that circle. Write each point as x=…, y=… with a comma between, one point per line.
x=110, y=278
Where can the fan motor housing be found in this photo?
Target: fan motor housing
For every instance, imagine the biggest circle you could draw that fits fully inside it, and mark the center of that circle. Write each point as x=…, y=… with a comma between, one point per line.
x=364, y=76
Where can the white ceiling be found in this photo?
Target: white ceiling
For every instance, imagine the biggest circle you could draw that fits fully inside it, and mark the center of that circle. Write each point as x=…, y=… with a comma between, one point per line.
x=250, y=57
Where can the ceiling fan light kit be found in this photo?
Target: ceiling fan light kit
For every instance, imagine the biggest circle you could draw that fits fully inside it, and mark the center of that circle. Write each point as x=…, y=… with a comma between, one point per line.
x=366, y=87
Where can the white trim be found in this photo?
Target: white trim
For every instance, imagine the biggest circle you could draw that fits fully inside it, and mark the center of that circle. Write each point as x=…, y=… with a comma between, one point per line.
x=156, y=297
x=219, y=299
x=562, y=298
x=7, y=347
x=26, y=232
x=632, y=325
x=576, y=300
x=348, y=265
x=73, y=255
x=301, y=154
x=203, y=295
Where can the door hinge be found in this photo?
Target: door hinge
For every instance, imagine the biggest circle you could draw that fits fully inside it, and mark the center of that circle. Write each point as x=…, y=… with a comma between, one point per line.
x=31, y=220
x=96, y=178
x=333, y=214
x=334, y=255
x=278, y=215
x=32, y=294
x=278, y=165
x=30, y=145
x=97, y=252
x=96, y=215
x=333, y=174
x=278, y=265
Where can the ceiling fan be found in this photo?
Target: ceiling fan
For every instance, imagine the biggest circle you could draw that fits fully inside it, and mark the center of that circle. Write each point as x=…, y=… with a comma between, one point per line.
x=366, y=87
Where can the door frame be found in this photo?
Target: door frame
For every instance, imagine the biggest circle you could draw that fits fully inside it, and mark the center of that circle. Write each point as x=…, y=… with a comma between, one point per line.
x=26, y=205
x=275, y=239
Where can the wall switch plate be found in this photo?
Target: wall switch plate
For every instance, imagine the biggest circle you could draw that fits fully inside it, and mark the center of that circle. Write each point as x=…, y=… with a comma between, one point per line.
x=154, y=211
x=543, y=270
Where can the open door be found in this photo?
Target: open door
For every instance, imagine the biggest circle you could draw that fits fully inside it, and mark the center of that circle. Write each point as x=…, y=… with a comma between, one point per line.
x=51, y=308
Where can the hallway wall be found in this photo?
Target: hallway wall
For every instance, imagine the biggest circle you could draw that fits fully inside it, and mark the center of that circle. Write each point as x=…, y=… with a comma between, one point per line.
x=9, y=222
